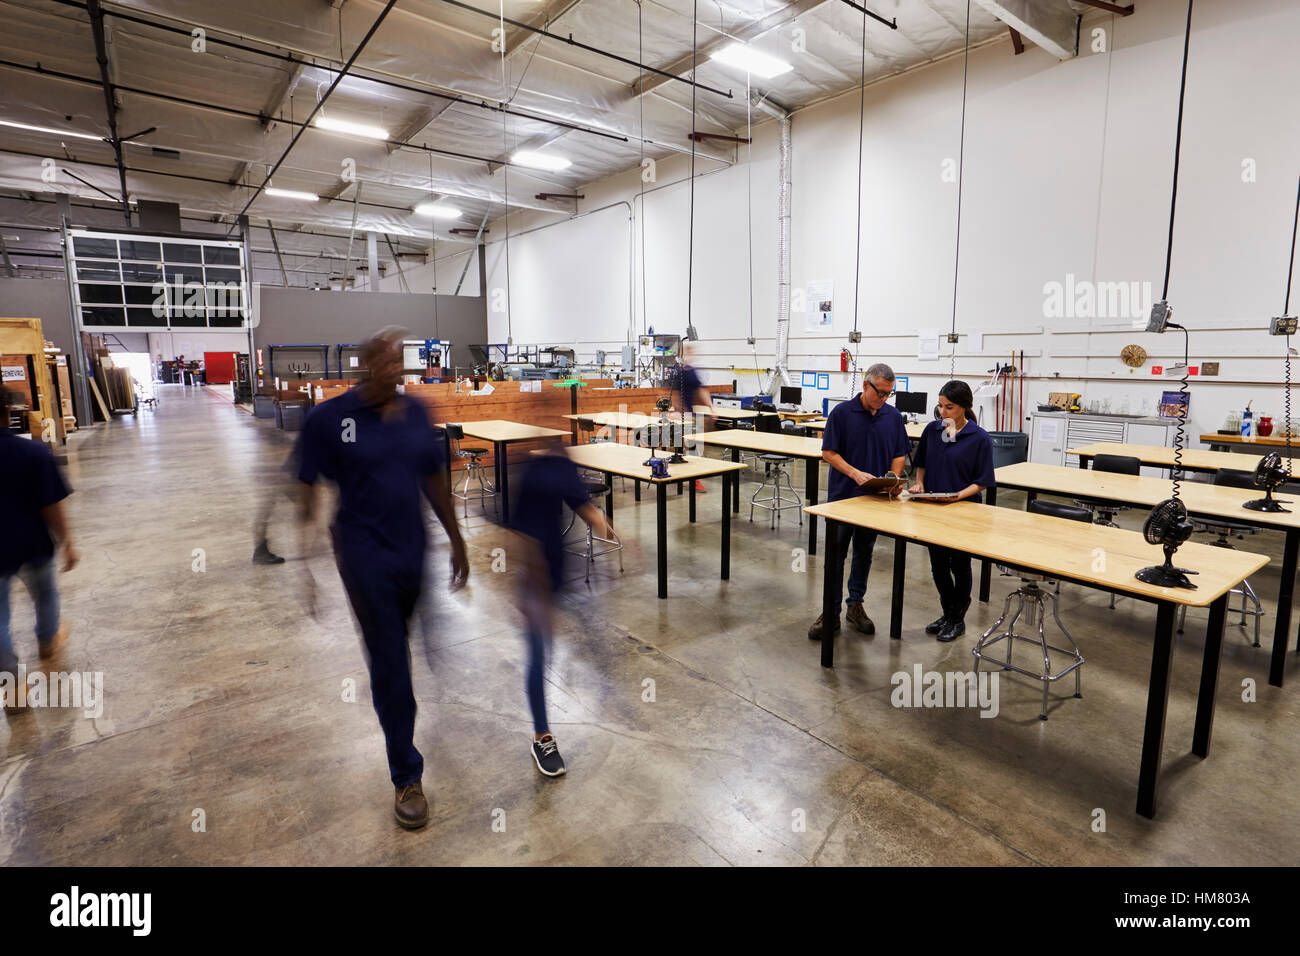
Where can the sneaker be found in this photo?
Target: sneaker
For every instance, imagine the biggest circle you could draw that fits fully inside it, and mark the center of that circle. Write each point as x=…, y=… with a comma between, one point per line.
x=699, y=487
x=547, y=756
x=410, y=807
x=858, y=618
x=51, y=647
x=937, y=625
x=952, y=630
x=263, y=555
x=815, y=632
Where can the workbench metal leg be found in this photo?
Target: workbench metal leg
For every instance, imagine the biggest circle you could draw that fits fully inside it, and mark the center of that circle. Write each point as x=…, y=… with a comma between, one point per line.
x=504, y=487
x=609, y=495
x=986, y=567
x=679, y=488
x=727, y=478
x=692, y=504
x=1282, y=627
x=735, y=485
x=1153, y=738
x=1083, y=461
x=832, y=588
x=1209, y=678
x=810, y=489
x=636, y=488
x=661, y=535
x=896, y=603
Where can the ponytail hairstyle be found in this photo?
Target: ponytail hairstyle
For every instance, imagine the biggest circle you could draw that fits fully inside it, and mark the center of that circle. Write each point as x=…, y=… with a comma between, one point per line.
x=959, y=393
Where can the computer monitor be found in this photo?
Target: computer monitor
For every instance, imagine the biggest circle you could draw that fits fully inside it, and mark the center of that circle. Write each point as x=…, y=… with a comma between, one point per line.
x=911, y=402
x=791, y=396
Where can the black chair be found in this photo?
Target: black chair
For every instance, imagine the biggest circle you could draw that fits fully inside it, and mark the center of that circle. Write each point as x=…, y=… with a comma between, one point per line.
x=474, y=470
x=1224, y=529
x=1031, y=601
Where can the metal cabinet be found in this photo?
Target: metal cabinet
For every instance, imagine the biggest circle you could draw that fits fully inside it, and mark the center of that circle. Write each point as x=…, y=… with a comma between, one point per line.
x=1051, y=433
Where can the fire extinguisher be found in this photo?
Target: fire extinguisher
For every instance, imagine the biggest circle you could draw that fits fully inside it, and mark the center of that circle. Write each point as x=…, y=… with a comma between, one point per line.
x=844, y=360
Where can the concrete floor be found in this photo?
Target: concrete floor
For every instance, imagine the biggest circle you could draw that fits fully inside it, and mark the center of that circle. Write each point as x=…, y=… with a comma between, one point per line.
x=223, y=695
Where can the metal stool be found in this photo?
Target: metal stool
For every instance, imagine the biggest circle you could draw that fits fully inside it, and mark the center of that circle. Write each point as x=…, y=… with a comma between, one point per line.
x=777, y=501
x=1032, y=602
x=1231, y=478
x=474, y=471
x=588, y=433
x=593, y=545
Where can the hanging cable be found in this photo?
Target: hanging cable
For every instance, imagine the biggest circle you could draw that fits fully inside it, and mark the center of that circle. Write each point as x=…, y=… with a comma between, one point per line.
x=1184, y=390
x=641, y=136
x=961, y=175
x=1286, y=310
x=433, y=247
x=857, y=254
x=690, y=245
x=505, y=171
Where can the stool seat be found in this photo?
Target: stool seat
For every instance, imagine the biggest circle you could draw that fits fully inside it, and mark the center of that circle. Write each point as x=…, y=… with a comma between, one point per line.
x=771, y=456
x=594, y=486
x=472, y=452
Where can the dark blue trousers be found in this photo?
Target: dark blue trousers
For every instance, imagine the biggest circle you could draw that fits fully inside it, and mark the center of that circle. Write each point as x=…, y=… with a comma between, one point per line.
x=383, y=603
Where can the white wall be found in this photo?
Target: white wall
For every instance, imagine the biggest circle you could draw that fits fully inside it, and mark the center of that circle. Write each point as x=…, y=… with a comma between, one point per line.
x=193, y=344
x=1067, y=171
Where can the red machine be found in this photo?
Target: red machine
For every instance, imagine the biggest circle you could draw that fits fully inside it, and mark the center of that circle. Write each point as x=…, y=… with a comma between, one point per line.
x=220, y=367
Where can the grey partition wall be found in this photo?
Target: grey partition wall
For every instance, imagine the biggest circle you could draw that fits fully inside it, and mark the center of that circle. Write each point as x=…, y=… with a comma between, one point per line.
x=289, y=315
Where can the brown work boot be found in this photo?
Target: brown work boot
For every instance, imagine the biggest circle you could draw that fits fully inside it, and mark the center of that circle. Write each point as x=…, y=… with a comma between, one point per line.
x=858, y=618
x=815, y=632
x=410, y=808
x=51, y=647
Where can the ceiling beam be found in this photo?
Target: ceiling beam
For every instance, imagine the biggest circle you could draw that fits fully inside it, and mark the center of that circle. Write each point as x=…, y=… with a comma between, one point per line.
x=421, y=117
x=101, y=56
x=553, y=10
x=1052, y=27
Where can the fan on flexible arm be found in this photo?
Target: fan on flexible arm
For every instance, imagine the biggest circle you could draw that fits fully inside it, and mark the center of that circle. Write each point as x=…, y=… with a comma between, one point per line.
x=1269, y=474
x=1167, y=525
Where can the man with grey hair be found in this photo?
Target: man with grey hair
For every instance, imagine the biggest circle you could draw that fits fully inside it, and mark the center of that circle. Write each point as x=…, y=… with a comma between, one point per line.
x=379, y=448
x=864, y=438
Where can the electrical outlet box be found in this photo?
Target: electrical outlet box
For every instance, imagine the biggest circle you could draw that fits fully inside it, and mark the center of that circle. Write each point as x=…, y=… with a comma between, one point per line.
x=855, y=337
x=750, y=341
x=952, y=338
x=1282, y=325
x=1209, y=368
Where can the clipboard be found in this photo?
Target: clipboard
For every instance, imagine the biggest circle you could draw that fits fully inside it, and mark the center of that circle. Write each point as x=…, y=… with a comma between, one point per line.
x=886, y=482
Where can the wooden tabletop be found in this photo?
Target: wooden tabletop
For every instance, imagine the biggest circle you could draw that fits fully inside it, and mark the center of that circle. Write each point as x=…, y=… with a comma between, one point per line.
x=497, y=430
x=631, y=419
x=1038, y=542
x=776, y=443
x=733, y=414
x=1200, y=498
x=1271, y=440
x=1163, y=456
x=817, y=424
x=627, y=460
x=798, y=416
x=914, y=429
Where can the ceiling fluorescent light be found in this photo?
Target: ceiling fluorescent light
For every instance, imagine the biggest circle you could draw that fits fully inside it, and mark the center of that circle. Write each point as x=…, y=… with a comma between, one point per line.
x=547, y=161
x=46, y=129
x=746, y=58
x=437, y=210
x=355, y=129
x=291, y=194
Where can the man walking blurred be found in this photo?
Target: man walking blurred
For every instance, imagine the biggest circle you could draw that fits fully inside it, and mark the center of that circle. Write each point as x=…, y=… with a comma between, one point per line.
x=379, y=448
x=35, y=527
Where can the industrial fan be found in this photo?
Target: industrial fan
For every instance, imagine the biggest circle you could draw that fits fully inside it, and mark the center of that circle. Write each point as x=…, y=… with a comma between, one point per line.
x=1269, y=474
x=1167, y=525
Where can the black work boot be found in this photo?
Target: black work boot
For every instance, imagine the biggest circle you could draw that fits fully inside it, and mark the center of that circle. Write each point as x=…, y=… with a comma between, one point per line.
x=262, y=555
x=955, y=626
x=937, y=625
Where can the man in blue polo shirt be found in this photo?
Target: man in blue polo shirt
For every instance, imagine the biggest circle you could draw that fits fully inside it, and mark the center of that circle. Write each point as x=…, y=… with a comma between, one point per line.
x=379, y=448
x=864, y=439
x=31, y=514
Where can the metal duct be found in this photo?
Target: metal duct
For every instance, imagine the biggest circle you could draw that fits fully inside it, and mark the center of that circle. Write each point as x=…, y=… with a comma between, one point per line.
x=782, y=241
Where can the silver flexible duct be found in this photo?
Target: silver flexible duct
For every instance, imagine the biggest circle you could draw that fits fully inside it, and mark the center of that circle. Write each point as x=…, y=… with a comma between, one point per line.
x=782, y=241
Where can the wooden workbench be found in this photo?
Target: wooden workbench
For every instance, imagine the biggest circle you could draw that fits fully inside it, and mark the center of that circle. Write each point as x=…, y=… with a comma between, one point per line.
x=1200, y=499
x=1236, y=441
x=628, y=461
x=772, y=443
x=1033, y=543
x=1163, y=457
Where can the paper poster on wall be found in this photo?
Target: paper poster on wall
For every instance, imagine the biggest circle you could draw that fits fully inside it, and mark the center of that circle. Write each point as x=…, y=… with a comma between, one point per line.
x=823, y=380
x=819, y=306
x=352, y=361
x=808, y=380
x=1049, y=430
x=927, y=345
x=13, y=373
x=900, y=384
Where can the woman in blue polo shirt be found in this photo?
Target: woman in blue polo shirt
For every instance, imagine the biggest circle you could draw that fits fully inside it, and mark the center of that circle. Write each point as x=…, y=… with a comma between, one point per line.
x=954, y=455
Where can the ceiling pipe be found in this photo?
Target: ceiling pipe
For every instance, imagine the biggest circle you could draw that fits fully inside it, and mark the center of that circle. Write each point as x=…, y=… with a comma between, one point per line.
x=784, y=185
x=101, y=57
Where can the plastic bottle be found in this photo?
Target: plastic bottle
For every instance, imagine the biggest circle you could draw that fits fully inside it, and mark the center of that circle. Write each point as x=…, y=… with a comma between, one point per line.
x=1245, y=422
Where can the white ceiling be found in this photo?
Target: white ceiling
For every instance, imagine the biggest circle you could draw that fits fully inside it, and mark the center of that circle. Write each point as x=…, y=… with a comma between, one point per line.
x=430, y=76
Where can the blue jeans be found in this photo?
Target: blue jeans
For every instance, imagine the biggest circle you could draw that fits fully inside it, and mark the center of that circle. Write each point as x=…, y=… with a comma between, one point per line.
x=864, y=542
x=535, y=682
x=39, y=579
